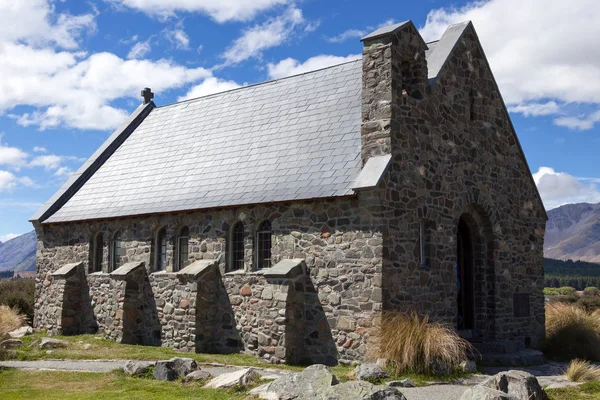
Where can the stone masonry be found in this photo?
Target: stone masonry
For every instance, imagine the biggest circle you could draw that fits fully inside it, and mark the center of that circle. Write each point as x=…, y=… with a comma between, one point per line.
x=338, y=262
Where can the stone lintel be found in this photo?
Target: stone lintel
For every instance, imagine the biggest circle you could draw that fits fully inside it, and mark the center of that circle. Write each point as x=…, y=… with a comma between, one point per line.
x=371, y=174
x=67, y=270
x=196, y=269
x=126, y=269
x=286, y=269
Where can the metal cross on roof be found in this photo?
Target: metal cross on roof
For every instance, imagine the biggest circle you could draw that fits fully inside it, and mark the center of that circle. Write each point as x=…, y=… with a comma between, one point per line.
x=147, y=95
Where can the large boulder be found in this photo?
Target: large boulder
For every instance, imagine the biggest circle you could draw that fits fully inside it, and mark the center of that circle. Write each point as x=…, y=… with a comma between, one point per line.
x=164, y=370
x=198, y=375
x=183, y=366
x=231, y=379
x=49, y=343
x=135, y=368
x=510, y=385
x=370, y=372
x=10, y=343
x=318, y=383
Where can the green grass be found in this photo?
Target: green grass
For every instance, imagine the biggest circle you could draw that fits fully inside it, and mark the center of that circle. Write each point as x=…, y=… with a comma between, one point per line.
x=46, y=385
x=587, y=391
x=102, y=349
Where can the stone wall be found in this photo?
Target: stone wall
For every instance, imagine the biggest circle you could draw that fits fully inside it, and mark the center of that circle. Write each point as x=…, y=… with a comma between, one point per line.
x=454, y=154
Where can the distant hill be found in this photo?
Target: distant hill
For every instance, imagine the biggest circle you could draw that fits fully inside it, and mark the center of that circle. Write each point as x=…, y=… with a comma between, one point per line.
x=18, y=254
x=573, y=232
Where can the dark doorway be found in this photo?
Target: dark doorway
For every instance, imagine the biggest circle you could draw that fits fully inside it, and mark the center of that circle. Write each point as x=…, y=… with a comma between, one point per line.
x=464, y=278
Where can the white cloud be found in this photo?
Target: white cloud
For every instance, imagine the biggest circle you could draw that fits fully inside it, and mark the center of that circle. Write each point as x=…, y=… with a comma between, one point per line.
x=39, y=149
x=8, y=236
x=178, y=38
x=63, y=171
x=209, y=86
x=8, y=180
x=69, y=87
x=139, y=50
x=536, y=109
x=271, y=33
x=290, y=66
x=539, y=50
x=558, y=188
x=220, y=10
x=357, y=33
x=579, y=123
x=50, y=161
x=12, y=157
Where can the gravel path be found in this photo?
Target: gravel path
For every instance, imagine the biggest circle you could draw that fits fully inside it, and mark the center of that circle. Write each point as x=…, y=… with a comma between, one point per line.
x=67, y=365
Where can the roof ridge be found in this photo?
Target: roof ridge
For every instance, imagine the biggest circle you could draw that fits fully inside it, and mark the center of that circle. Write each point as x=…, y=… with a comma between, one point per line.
x=258, y=84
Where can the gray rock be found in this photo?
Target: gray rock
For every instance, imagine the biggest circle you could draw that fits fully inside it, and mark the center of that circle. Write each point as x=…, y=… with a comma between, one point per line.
x=135, y=368
x=165, y=371
x=10, y=343
x=49, y=343
x=20, y=332
x=360, y=390
x=183, y=366
x=314, y=379
x=485, y=393
x=520, y=384
x=231, y=379
x=370, y=372
x=87, y=346
x=407, y=383
x=507, y=385
x=468, y=366
x=197, y=376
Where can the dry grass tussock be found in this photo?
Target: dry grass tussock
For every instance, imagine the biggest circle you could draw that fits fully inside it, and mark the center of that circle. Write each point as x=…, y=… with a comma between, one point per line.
x=582, y=371
x=571, y=332
x=10, y=319
x=413, y=344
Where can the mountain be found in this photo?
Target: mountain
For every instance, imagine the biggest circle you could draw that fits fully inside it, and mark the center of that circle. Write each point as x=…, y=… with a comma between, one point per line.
x=573, y=232
x=18, y=254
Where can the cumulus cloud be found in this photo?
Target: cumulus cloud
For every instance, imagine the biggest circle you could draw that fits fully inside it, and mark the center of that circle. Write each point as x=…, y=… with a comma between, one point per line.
x=219, y=10
x=39, y=149
x=536, y=109
x=580, y=123
x=65, y=86
x=271, y=33
x=178, y=38
x=12, y=157
x=139, y=50
x=559, y=188
x=290, y=66
x=539, y=50
x=8, y=236
x=209, y=86
x=9, y=181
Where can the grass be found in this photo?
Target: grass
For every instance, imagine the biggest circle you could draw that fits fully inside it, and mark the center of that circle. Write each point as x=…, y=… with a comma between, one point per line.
x=582, y=371
x=10, y=319
x=47, y=385
x=101, y=349
x=571, y=333
x=413, y=344
x=587, y=391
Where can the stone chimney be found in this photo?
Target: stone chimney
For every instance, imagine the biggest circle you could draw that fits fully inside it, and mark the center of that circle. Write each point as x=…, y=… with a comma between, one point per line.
x=394, y=78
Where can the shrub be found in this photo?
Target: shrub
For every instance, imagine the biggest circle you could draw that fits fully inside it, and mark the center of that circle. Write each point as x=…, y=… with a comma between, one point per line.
x=591, y=291
x=571, y=332
x=589, y=303
x=10, y=319
x=567, y=291
x=550, y=291
x=413, y=344
x=582, y=371
x=19, y=294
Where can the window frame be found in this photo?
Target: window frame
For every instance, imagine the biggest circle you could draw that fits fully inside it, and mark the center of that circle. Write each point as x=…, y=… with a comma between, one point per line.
x=263, y=239
x=115, y=257
x=180, y=262
x=97, y=250
x=160, y=257
x=237, y=247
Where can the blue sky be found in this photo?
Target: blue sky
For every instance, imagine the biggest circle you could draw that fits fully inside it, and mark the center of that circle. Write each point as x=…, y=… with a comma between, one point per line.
x=71, y=71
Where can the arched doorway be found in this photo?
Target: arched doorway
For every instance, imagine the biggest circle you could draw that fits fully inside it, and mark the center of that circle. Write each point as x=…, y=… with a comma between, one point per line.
x=465, y=273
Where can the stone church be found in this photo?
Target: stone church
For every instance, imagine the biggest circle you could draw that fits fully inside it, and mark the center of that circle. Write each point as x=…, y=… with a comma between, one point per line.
x=280, y=219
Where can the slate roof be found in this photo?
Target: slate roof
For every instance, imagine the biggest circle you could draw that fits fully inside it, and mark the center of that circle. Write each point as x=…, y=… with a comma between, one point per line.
x=296, y=138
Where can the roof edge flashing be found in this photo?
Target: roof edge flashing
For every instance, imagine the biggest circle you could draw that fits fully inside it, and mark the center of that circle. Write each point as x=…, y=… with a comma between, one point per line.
x=96, y=160
x=372, y=173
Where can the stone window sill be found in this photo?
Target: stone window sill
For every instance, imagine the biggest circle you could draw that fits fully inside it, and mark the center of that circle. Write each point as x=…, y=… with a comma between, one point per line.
x=164, y=274
x=99, y=273
x=244, y=272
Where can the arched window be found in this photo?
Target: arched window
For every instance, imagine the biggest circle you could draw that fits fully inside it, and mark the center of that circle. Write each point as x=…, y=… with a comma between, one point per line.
x=97, y=250
x=161, y=250
x=237, y=247
x=117, y=251
x=263, y=245
x=182, y=248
